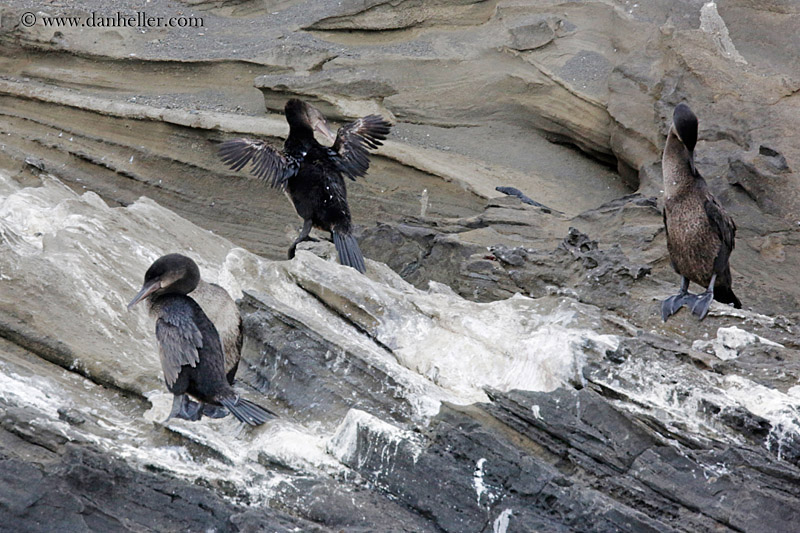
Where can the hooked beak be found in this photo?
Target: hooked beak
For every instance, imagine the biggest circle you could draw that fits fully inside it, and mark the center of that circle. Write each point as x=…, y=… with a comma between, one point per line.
x=147, y=290
x=321, y=125
x=674, y=132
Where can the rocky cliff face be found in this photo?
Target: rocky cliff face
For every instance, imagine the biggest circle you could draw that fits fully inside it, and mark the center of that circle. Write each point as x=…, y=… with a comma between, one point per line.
x=502, y=367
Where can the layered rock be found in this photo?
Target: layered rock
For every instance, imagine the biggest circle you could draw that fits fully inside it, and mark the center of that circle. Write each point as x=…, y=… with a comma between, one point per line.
x=582, y=419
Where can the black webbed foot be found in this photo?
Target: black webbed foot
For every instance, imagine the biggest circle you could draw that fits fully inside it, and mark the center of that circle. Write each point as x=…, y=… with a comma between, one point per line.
x=293, y=247
x=183, y=407
x=701, y=303
x=671, y=305
x=307, y=224
x=215, y=411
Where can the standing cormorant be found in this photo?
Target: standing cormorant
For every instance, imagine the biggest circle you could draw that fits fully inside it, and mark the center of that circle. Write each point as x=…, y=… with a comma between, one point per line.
x=700, y=234
x=189, y=345
x=312, y=174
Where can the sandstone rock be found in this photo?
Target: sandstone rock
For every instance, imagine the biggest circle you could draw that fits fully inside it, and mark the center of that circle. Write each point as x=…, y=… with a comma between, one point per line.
x=376, y=15
x=531, y=35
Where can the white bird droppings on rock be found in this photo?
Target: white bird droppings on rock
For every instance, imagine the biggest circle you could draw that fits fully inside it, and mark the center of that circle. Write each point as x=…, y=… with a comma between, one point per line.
x=730, y=341
x=712, y=23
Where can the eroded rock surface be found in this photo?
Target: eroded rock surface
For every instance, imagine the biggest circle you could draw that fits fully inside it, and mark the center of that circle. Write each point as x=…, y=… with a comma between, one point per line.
x=582, y=420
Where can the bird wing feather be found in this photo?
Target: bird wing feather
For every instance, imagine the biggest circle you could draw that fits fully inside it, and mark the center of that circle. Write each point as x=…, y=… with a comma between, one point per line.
x=353, y=142
x=721, y=222
x=723, y=225
x=266, y=162
x=179, y=340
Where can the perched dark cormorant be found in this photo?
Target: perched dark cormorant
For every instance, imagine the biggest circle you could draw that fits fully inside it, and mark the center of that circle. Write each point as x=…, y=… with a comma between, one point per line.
x=189, y=345
x=312, y=174
x=700, y=234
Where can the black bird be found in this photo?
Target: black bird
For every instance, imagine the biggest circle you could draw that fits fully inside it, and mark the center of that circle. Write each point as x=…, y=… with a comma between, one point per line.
x=189, y=345
x=312, y=174
x=700, y=234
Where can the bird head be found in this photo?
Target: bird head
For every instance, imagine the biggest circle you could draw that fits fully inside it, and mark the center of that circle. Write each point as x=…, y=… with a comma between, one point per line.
x=299, y=112
x=684, y=127
x=169, y=274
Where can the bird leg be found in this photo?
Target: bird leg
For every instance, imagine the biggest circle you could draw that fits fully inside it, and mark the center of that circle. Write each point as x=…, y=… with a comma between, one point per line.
x=183, y=407
x=703, y=301
x=215, y=411
x=671, y=305
x=303, y=237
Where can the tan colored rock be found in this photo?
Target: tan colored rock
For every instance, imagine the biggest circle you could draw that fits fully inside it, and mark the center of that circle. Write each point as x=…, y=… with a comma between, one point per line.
x=376, y=15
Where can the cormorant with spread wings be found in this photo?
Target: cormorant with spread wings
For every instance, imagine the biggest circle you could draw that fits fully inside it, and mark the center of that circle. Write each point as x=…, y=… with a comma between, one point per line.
x=313, y=174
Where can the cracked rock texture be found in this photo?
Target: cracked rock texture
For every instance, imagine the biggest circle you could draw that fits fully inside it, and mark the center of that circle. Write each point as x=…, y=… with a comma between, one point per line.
x=502, y=367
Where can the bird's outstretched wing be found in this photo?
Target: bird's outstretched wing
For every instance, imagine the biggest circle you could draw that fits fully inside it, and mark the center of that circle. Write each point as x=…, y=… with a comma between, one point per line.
x=179, y=340
x=267, y=163
x=353, y=140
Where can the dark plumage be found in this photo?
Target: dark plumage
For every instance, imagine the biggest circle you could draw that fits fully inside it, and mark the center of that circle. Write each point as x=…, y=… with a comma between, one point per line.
x=700, y=234
x=191, y=353
x=312, y=174
x=513, y=191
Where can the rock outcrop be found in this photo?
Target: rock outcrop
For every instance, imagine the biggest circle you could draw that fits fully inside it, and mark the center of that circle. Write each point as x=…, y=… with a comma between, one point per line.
x=415, y=404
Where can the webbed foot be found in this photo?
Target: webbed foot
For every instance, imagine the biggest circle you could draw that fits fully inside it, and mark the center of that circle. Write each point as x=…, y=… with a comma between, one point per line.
x=701, y=304
x=183, y=407
x=215, y=411
x=671, y=305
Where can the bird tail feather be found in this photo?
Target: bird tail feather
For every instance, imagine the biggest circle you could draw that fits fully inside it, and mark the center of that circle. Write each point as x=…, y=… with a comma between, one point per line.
x=725, y=295
x=247, y=411
x=348, y=250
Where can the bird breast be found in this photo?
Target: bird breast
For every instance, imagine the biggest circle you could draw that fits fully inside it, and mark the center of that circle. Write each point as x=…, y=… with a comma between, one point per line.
x=693, y=245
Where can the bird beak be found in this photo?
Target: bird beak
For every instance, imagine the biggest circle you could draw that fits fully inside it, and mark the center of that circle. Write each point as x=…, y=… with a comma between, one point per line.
x=321, y=125
x=674, y=131
x=147, y=290
x=691, y=164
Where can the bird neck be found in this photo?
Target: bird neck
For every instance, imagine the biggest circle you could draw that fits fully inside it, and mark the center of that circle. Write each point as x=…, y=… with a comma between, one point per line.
x=301, y=139
x=158, y=301
x=676, y=167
